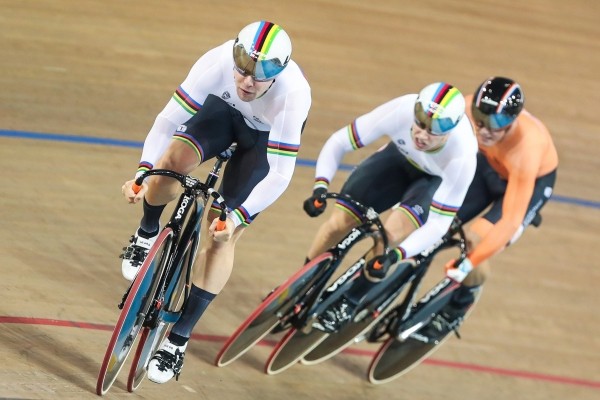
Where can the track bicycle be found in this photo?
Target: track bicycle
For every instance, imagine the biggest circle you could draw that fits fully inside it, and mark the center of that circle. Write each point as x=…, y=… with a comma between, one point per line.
x=403, y=346
x=372, y=311
x=392, y=299
x=155, y=298
x=293, y=304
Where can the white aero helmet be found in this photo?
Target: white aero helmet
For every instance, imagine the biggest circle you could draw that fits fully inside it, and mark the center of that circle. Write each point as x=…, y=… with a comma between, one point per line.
x=262, y=50
x=439, y=108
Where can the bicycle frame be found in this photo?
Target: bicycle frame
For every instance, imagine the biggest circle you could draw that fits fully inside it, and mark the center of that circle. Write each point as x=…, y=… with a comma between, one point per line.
x=152, y=300
x=307, y=307
x=400, y=321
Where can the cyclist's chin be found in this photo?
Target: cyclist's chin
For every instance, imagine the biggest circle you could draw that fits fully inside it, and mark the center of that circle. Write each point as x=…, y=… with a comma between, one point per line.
x=245, y=95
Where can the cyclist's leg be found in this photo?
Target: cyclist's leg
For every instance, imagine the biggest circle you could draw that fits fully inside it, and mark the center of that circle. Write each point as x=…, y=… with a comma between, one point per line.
x=368, y=184
x=331, y=231
x=414, y=190
x=179, y=157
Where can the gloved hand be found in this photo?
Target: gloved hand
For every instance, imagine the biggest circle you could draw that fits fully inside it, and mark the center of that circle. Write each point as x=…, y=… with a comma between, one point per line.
x=315, y=204
x=378, y=266
x=458, y=270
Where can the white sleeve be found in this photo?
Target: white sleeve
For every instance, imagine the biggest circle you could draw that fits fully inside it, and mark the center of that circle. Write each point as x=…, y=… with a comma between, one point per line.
x=184, y=103
x=446, y=201
x=363, y=131
x=282, y=150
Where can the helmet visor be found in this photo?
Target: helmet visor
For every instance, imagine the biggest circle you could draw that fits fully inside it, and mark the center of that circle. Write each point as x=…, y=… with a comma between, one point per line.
x=436, y=126
x=492, y=121
x=259, y=70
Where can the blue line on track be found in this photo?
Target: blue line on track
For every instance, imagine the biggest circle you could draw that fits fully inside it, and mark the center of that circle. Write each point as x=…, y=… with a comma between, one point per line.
x=136, y=144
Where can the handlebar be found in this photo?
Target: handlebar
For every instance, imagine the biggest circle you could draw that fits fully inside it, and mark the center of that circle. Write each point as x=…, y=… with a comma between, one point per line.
x=368, y=214
x=193, y=186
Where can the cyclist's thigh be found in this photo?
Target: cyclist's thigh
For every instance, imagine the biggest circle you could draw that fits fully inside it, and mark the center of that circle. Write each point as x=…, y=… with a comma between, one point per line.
x=211, y=130
x=415, y=202
x=247, y=166
x=380, y=180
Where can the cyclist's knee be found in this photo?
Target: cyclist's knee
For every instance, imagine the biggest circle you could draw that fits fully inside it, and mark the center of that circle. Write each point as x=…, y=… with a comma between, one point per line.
x=340, y=222
x=179, y=157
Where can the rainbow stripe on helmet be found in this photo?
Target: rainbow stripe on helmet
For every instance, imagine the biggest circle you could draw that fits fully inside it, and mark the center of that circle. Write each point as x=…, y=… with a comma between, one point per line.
x=443, y=96
x=265, y=35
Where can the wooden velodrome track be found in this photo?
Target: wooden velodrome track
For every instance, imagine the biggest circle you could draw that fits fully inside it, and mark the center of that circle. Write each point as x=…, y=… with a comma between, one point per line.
x=101, y=70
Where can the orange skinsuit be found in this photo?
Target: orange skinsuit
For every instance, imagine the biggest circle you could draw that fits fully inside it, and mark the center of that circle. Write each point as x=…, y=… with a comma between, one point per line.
x=526, y=152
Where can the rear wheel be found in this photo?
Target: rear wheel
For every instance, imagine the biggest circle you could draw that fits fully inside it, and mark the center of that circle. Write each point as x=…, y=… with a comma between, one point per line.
x=291, y=348
x=268, y=314
x=135, y=309
x=394, y=358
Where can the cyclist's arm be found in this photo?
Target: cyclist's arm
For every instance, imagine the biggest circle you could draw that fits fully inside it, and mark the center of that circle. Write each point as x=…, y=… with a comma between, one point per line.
x=521, y=183
x=363, y=131
x=282, y=150
x=445, y=204
x=184, y=104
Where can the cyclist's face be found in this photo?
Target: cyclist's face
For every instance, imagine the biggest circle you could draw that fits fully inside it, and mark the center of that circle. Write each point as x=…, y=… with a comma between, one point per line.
x=249, y=89
x=489, y=137
x=425, y=140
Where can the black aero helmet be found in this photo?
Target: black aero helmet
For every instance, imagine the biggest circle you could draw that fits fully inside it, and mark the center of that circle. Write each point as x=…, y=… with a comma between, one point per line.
x=497, y=103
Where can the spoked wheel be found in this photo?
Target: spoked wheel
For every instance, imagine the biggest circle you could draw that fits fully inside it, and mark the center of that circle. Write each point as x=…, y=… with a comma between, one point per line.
x=134, y=311
x=268, y=314
x=291, y=348
x=152, y=337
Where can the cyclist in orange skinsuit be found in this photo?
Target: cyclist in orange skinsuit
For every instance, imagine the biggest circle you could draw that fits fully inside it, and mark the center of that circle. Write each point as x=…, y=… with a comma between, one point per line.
x=516, y=172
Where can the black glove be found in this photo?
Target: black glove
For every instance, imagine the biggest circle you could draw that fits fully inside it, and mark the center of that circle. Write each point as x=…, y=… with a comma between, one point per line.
x=378, y=266
x=315, y=204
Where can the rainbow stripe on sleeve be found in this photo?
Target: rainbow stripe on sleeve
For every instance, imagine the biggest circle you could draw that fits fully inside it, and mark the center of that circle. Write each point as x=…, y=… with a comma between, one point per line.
x=282, y=149
x=443, y=209
x=185, y=101
x=353, y=136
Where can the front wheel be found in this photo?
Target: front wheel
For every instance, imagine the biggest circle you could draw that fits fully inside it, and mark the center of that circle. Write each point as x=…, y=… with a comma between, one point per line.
x=267, y=315
x=166, y=316
x=135, y=309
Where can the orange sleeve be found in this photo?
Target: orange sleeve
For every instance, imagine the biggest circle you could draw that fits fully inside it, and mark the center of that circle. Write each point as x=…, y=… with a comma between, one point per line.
x=522, y=173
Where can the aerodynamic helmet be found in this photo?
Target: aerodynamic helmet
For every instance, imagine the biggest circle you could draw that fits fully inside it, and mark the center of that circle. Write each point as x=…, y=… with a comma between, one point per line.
x=439, y=107
x=262, y=50
x=497, y=103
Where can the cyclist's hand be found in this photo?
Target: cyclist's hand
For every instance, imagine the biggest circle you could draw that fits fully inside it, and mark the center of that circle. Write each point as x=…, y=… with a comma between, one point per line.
x=458, y=270
x=223, y=235
x=378, y=266
x=130, y=195
x=315, y=204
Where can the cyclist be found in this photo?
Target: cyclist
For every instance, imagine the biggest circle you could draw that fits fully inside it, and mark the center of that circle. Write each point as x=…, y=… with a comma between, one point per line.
x=426, y=168
x=247, y=91
x=516, y=172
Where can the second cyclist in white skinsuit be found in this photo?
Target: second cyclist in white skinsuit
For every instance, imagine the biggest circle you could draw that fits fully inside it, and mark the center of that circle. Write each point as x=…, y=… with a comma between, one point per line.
x=425, y=171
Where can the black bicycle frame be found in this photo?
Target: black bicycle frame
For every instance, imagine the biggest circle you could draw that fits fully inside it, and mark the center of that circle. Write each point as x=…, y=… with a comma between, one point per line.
x=307, y=304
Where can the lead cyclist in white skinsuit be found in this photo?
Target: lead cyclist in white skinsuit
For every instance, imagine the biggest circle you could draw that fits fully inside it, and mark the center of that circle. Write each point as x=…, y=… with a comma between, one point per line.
x=246, y=91
x=425, y=171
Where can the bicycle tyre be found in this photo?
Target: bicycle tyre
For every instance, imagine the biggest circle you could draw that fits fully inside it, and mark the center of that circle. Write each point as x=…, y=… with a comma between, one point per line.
x=133, y=313
x=267, y=315
x=355, y=332
x=291, y=348
x=344, y=338
x=151, y=339
x=395, y=358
